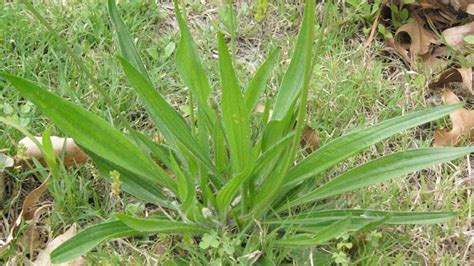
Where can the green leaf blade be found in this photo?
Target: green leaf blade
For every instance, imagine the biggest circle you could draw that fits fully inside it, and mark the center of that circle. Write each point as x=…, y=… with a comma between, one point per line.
x=188, y=63
x=91, y=132
x=166, y=118
x=137, y=186
x=87, y=239
x=234, y=111
x=159, y=225
x=293, y=79
x=125, y=40
x=258, y=83
x=346, y=146
x=323, y=235
x=383, y=169
x=362, y=215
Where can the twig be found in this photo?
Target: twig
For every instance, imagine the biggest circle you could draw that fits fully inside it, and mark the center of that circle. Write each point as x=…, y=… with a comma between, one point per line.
x=373, y=30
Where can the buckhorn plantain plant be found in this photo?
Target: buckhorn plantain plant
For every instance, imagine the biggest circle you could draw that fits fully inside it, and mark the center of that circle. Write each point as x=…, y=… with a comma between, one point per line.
x=232, y=180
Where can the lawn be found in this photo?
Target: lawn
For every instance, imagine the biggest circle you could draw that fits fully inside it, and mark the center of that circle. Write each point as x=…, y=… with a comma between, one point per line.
x=352, y=87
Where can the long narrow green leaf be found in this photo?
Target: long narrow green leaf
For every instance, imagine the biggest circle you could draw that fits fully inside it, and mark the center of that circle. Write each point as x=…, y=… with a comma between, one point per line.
x=159, y=225
x=87, y=239
x=227, y=193
x=125, y=40
x=395, y=217
x=185, y=183
x=92, y=132
x=293, y=79
x=258, y=83
x=346, y=146
x=234, y=112
x=158, y=151
x=166, y=118
x=190, y=68
x=188, y=63
x=383, y=169
x=323, y=235
x=271, y=186
x=137, y=186
x=267, y=159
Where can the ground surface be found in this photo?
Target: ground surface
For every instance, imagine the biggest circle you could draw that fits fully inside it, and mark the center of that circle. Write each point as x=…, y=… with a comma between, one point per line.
x=352, y=87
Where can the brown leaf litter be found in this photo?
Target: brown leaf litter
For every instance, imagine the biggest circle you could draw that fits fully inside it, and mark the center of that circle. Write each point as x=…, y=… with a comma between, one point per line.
x=435, y=31
x=463, y=124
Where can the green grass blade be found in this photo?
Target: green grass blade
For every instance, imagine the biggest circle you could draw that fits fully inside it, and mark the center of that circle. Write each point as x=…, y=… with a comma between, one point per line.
x=125, y=40
x=188, y=63
x=49, y=155
x=395, y=217
x=346, y=146
x=159, y=225
x=87, y=239
x=234, y=112
x=325, y=234
x=293, y=79
x=259, y=82
x=92, y=132
x=166, y=118
x=383, y=169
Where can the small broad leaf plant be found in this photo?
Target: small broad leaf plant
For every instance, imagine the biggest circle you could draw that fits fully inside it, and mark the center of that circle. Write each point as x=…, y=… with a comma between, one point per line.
x=236, y=190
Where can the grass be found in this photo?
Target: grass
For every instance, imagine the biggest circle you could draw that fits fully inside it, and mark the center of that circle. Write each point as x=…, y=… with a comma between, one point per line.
x=352, y=87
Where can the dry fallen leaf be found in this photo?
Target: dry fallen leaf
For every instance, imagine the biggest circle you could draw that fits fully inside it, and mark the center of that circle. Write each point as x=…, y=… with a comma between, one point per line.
x=402, y=52
x=33, y=238
x=429, y=3
x=29, y=206
x=43, y=258
x=455, y=36
x=73, y=154
x=421, y=38
x=309, y=140
x=470, y=9
x=260, y=108
x=432, y=64
x=463, y=75
x=463, y=124
x=5, y=162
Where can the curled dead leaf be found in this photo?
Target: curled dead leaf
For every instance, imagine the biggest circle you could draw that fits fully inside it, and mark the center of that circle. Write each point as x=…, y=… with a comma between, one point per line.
x=29, y=207
x=309, y=140
x=5, y=162
x=434, y=62
x=429, y=3
x=43, y=258
x=260, y=108
x=455, y=36
x=402, y=52
x=463, y=75
x=73, y=154
x=421, y=38
x=463, y=124
x=470, y=9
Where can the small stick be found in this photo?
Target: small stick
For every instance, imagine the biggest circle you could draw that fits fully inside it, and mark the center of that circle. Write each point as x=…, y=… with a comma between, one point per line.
x=373, y=30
